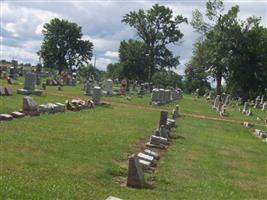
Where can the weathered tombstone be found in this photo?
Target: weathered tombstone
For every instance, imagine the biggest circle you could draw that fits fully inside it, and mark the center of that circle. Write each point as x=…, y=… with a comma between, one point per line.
x=161, y=96
x=88, y=88
x=257, y=102
x=109, y=87
x=2, y=91
x=29, y=86
x=262, y=100
x=163, y=118
x=29, y=106
x=245, y=108
x=227, y=100
x=155, y=96
x=175, y=112
x=17, y=114
x=8, y=91
x=264, y=106
x=135, y=176
x=152, y=153
x=142, y=90
x=5, y=117
x=97, y=95
x=113, y=198
x=197, y=93
x=123, y=87
x=43, y=86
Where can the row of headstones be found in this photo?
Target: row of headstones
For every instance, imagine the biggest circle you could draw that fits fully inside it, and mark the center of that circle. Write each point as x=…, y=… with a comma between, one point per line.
x=261, y=134
x=5, y=91
x=162, y=96
x=91, y=90
x=220, y=103
x=147, y=159
x=247, y=111
x=30, y=107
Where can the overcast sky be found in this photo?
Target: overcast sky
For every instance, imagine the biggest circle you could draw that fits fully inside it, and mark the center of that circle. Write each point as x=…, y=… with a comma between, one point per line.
x=22, y=22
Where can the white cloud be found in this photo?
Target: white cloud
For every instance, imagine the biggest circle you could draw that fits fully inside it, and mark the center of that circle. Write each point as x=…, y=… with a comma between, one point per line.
x=112, y=54
x=101, y=63
x=102, y=44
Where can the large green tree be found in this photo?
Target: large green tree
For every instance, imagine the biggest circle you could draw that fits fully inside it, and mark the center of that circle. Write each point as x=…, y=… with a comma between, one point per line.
x=158, y=28
x=132, y=55
x=196, y=75
x=216, y=34
x=63, y=47
x=247, y=74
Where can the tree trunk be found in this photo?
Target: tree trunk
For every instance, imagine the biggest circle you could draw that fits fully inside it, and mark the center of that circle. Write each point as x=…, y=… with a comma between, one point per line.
x=219, y=84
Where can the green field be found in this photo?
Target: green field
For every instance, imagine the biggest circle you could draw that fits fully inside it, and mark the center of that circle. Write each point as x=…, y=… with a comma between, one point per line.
x=83, y=155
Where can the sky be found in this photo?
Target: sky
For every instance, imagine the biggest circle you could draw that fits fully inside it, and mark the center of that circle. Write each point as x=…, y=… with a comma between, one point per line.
x=22, y=23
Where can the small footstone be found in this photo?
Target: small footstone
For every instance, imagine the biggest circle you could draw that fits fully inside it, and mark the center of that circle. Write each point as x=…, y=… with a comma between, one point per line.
x=135, y=177
x=151, y=153
x=113, y=198
x=17, y=114
x=5, y=117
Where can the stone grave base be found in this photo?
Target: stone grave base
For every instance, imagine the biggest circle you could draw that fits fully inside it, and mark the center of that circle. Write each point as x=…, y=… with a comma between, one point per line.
x=29, y=92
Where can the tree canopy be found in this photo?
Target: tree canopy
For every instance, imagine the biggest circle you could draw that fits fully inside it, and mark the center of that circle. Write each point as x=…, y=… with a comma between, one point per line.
x=63, y=47
x=157, y=28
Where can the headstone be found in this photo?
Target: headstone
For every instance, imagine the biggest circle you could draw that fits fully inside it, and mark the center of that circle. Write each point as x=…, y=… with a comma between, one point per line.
x=135, y=176
x=88, y=88
x=245, y=108
x=264, y=106
x=29, y=86
x=257, y=102
x=17, y=114
x=262, y=100
x=113, y=198
x=123, y=87
x=155, y=96
x=109, y=87
x=30, y=106
x=2, y=91
x=163, y=118
x=97, y=95
x=5, y=117
x=142, y=90
x=175, y=112
x=227, y=100
x=8, y=91
x=145, y=157
x=151, y=153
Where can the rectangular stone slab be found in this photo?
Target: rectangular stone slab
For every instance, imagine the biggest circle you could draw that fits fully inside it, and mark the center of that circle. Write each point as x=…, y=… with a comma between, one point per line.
x=151, y=153
x=17, y=114
x=145, y=157
x=113, y=198
x=5, y=117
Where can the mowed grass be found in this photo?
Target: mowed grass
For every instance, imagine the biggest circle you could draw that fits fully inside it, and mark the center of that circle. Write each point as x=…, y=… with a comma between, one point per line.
x=83, y=155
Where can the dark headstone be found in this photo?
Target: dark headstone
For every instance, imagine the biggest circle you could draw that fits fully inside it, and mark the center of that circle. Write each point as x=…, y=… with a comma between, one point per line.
x=163, y=118
x=8, y=91
x=135, y=177
x=5, y=117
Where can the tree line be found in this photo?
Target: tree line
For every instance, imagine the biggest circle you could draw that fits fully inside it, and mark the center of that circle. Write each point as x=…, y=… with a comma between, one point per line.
x=228, y=49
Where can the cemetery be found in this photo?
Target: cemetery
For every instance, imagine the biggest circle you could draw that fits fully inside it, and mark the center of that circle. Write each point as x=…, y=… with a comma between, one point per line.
x=139, y=129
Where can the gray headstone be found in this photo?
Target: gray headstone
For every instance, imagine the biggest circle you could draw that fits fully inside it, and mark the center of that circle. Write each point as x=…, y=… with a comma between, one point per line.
x=135, y=176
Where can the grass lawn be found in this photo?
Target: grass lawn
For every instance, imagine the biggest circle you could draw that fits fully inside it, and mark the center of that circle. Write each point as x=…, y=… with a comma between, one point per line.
x=83, y=155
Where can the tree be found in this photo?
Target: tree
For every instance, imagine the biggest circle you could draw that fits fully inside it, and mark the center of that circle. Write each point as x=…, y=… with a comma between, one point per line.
x=196, y=75
x=167, y=79
x=247, y=76
x=216, y=34
x=62, y=46
x=114, y=70
x=132, y=54
x=158, y=28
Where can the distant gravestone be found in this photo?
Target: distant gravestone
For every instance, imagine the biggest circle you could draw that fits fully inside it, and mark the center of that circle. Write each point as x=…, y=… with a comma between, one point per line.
x=8, y=91
x=163, y=118
x=264, y=106
x=175, y=112
x=135, y=176
x=97, y=95
x=29, y=85
x=88, y=88
x=2, y=91
x=113, y=198
x=109, y=86
x=29, y=106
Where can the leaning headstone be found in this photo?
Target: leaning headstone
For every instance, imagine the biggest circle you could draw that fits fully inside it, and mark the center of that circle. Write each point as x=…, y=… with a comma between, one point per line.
x=97, y=95
x=135, y=176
